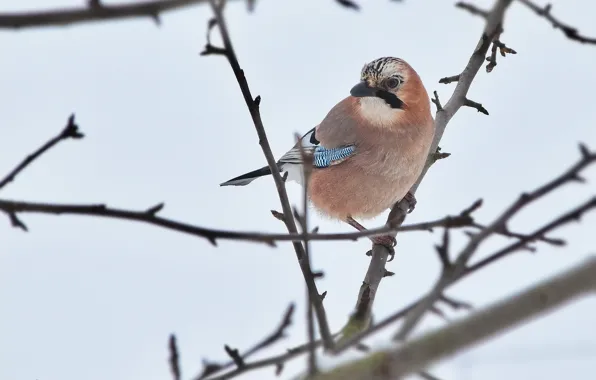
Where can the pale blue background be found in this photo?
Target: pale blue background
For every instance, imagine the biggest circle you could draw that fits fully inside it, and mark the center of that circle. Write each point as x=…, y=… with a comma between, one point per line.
x=93, y=299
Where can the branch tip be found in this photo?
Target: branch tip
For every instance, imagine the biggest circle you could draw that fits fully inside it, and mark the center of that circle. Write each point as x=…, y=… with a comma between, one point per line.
x=348, y=4
x=451, y=79
x=174, y=357
x=437, y=102
x=477, y=106
x=235, y=356
x=474, y=10
x=155, y=209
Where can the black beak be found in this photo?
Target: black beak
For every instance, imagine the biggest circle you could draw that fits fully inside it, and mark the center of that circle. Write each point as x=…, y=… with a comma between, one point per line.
x=362, y=89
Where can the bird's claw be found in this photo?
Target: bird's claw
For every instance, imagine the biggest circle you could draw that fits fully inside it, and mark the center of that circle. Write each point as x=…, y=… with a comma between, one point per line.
x=388, y=242
x=411, y=201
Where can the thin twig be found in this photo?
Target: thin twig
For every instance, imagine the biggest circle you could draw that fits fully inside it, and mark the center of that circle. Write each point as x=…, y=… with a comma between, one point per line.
x=102, y=12
x=399, y=211
x=571, y=215
x=174, y=358
x=303, y=219
x=151, y=216
x=253, y=107
x=472, y=9
x=237, y=357
x=569, y=31
x=454, y=272
x=70, y=131
x=399, y=361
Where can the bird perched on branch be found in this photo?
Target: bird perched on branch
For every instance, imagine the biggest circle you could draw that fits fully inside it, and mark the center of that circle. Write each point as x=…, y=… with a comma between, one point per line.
x=370, y=148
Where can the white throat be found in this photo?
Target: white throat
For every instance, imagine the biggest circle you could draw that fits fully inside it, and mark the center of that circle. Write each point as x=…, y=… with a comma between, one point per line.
x=376, y=111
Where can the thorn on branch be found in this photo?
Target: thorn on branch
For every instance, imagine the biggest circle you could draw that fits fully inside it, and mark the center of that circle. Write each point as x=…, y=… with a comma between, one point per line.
x=250, y=5
x=470, y=234
x=299, y=218
x=455, y=304
x=278, y=215
x=472, y=9
x=279, y=367
x=213, y=50
x=257, y=100
x=584, y=151
x=318, y=274
x=503, y=50
x=94, y=4
x=438, y=312
x=362, y=347
x=437, y=102
x=156, y=19
x=174, y=358
x=388, y=273
x=71, y=130
x=438, y=155
x=284, y=178
x=443, y=250
x=451, y=79
x=475, y=206
x=348, y=4
x=209, y=368
x=477, y=106
x=323, y=295
x=235, y=355
x=155, y=209
x=16, y=222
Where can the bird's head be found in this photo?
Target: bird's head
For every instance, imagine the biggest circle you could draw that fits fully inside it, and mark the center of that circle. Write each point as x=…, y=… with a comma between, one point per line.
x=388, y=87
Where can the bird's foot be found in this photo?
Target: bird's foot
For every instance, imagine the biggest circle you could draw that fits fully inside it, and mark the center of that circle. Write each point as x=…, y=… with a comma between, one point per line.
x=411, y=201
x=386, y=241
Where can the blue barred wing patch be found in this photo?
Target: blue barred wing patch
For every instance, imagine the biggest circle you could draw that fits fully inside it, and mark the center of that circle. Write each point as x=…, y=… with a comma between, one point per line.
x=324, y=157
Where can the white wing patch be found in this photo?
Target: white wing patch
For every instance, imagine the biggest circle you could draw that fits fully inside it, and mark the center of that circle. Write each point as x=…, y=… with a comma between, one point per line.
x=294, y=156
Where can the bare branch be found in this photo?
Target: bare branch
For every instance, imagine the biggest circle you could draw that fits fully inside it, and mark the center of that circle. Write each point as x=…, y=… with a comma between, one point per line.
x=447, y=80
x=99, y=12
x=174, y=358
x=503, y=50
x=399, y=211
x=70, y=131
x=472, y=9
x=310, y=323
x=454, y=272
x=239, y=359
x=253, y=108
x=477, y=106
x=150, y=216
x=398, y=362
x=348, y=4
x=569, y=31
x=560, y=221
x=436, y=101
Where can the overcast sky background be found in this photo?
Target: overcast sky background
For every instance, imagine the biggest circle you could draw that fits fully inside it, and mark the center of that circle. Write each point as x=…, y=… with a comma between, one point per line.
x=93, y=299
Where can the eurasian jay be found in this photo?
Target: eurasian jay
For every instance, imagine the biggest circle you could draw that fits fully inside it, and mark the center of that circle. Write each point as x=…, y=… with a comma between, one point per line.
x=370, y=148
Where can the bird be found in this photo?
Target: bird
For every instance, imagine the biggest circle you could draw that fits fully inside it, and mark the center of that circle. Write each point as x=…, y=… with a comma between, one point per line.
x=368, y=150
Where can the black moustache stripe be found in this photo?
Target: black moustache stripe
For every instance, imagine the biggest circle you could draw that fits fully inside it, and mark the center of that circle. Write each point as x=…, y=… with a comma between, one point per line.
x=389, y=98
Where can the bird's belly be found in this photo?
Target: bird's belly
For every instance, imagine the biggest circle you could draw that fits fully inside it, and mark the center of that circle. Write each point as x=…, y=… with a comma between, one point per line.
x=341, y=191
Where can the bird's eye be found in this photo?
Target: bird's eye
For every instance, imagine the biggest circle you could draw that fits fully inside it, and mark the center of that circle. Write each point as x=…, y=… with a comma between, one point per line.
x=392, y=82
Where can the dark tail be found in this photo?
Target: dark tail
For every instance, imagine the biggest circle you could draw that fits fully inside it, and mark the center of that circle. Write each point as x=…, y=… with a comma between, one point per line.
x=247, y=178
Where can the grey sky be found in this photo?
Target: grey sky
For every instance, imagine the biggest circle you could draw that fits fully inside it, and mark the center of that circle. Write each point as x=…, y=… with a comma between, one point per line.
x=96, y=299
